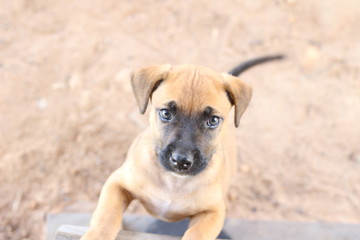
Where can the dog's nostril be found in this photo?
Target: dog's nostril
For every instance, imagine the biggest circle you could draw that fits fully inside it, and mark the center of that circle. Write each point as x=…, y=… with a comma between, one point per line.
x=180, y=162
x=174, y=162
x=186, y=165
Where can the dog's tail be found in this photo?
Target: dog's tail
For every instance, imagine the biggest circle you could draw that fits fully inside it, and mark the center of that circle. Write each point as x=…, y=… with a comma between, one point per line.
x=250, y=63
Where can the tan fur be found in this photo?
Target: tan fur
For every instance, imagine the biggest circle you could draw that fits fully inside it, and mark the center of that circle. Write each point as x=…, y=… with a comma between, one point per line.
x=166, y=195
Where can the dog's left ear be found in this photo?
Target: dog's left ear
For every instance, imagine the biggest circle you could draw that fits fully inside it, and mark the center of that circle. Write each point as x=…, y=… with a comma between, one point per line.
x=239, y=94
x=144, y=82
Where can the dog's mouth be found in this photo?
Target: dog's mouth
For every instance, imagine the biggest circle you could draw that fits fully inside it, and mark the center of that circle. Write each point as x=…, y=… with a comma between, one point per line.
x=180, y=162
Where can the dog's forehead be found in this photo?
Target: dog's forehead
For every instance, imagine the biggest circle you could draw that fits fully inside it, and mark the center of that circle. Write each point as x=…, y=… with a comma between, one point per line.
x=193, y=88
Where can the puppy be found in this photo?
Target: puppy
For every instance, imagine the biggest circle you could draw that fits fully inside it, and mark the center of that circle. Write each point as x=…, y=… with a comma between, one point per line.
x=181, y=165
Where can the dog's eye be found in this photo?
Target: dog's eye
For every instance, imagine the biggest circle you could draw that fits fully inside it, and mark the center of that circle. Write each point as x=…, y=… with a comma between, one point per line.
x=213, y=122
x=165, y=115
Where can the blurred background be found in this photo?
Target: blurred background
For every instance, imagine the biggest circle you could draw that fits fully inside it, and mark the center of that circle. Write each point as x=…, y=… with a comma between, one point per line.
x=68, y=115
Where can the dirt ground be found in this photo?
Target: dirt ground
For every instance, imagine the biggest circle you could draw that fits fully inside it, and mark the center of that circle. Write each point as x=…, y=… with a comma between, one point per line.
x=68, y=116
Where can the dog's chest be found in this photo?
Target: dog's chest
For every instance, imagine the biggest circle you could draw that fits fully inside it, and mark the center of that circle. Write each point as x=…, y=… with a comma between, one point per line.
x=170, y=206
x=167, y=208
x=159, y=207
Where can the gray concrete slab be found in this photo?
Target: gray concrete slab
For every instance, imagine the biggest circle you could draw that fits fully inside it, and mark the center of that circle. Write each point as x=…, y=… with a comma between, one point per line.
x=53, y=222
x=233, y=229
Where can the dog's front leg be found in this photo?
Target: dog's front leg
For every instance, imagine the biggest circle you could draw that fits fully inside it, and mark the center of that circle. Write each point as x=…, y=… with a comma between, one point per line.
x=206, y=225
x=107, y=218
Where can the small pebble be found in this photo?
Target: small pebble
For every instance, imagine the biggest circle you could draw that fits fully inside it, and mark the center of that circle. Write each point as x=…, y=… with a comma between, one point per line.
x=42, y=104
x=75, y=81
x=58, y=86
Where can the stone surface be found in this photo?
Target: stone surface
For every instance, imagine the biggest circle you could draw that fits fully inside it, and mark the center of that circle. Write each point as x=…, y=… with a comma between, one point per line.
x=233, y=229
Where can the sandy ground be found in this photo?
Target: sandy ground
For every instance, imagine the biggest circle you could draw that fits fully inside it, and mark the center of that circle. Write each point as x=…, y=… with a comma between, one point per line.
x=67, y=114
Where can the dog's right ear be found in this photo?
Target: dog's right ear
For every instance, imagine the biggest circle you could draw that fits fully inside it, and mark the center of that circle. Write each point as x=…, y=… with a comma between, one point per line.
x=144, y=82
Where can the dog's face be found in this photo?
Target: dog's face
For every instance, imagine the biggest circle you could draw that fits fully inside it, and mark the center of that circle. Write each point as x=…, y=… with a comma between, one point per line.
x=189, y=110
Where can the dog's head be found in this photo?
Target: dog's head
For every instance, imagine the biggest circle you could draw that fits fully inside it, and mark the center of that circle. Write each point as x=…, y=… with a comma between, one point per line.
x=190, y=106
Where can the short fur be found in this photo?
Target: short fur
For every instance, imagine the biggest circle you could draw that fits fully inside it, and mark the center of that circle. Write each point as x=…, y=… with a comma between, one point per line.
x=195, y=93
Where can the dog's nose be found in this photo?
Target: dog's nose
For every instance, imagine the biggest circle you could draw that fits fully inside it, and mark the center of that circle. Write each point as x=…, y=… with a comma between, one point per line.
x=181, y=162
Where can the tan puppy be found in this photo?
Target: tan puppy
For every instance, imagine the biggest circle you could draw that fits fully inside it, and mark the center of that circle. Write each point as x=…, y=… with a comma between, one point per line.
x=181, y=165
